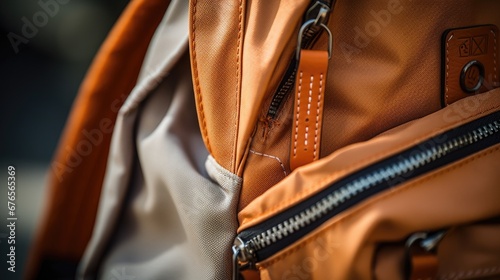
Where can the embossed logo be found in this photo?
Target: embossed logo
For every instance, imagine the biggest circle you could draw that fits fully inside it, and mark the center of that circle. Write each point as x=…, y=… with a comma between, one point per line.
x=473, y=46
x=470, y=60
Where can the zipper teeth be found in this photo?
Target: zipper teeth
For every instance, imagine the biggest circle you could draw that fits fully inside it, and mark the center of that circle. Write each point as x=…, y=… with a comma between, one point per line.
x=287, y=81
x=285, y=88
x=280, y=95
x=344, y=193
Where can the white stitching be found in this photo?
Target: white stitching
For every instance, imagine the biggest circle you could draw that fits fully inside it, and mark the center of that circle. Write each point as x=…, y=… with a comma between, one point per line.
x=297, y=116
x=468, y=273
x=317, y=115
x=307, y=135
x=310, y=96
x=447, y=66
x=308, y=111
x=273, y=157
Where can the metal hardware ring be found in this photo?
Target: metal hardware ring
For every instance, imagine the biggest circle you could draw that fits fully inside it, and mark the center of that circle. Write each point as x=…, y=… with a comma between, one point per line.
x=303, y=28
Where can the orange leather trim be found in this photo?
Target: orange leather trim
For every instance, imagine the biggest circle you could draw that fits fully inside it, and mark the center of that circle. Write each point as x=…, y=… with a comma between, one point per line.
x=308, y=109
x=463, y=46
x=75, y=185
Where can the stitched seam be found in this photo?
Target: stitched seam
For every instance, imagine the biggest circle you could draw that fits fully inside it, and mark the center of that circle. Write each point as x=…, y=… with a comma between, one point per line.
x=197, y=80
x=297, y=116
x=220, y=170
x=306, y=137
x=238, y=62
x=309, y=100
x=360, y=209
x=307, y=191
x=273, y=157
x=447, y=68
x=317, y=116
x=472, y=272
x=234, y=180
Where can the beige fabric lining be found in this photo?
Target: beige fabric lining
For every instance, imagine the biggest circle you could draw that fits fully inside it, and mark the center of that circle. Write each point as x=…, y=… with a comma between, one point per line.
x=165, y=208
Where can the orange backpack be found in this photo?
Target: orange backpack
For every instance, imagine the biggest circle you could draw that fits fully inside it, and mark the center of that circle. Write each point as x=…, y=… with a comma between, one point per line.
x=348, y=140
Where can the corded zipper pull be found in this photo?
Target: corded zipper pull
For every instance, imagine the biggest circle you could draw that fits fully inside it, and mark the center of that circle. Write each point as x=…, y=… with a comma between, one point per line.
x=310, y=83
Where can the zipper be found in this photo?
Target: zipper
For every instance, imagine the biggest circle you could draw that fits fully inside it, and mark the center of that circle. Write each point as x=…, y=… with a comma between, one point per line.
x=273, y=235
x=319, y=11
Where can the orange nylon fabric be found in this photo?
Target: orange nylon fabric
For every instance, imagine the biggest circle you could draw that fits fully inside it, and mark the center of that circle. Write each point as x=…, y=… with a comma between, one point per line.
x=436, y=200
x=344, y=247
x=311, y=178
x=216, y=37
x=79, y=164
x=385, y=71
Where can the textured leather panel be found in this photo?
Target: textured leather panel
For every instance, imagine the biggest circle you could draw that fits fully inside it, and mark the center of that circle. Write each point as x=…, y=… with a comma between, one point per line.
x=471, y=62
x=308, y=107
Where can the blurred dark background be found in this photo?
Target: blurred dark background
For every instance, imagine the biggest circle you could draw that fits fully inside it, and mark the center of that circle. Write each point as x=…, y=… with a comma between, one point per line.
x=46, y=49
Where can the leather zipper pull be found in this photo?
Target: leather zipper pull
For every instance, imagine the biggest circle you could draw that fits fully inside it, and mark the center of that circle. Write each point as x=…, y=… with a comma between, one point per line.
x=421, y=257
x=310, y=85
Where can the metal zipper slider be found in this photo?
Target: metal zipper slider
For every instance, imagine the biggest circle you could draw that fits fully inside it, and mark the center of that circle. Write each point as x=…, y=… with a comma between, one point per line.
x=319, y=11
x=236, y=263
x=428, y=240
x=303, y=29
x=243, y=258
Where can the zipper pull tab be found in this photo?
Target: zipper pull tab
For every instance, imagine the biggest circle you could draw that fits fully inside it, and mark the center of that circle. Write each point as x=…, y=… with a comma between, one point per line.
x=421, y=259
x=310, y=83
